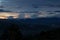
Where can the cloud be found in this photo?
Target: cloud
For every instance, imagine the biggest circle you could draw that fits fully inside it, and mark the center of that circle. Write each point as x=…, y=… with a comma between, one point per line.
x=30, y=6
x=16, y=5
x=5, y=15
x=1, y=10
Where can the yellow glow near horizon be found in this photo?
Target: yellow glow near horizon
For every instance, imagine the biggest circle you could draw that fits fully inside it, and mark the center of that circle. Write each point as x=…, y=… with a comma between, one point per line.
x=5, y=15
x=27, y=15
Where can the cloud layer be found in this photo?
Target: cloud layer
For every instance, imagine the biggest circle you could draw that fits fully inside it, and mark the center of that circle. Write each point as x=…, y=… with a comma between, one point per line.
x=31, y=5
x=25, y=5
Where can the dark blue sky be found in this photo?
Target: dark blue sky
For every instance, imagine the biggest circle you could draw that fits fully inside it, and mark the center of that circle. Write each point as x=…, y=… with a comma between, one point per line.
x=30, y=5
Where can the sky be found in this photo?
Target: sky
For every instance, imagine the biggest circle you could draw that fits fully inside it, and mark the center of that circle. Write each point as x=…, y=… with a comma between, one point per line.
x=30, y=5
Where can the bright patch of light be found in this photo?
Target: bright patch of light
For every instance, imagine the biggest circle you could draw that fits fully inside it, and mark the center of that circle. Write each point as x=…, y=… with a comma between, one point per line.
x=27, y=15
x=5, y=15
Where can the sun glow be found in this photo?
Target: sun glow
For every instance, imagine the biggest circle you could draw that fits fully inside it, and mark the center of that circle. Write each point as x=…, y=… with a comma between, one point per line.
x=5, y=15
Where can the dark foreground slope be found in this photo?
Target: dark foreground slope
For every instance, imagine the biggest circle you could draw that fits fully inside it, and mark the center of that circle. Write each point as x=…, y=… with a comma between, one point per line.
x=46, y=35
x=50, y=35
x=30, y=27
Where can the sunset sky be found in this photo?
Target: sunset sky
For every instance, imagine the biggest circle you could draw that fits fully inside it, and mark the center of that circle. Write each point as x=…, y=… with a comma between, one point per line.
x=5, y=15
x=18, y=6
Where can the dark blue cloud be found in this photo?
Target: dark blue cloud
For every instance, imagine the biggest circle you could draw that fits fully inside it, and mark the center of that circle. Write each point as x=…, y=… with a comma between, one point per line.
x=21, y=3
x=1, y=10
x=16, y=5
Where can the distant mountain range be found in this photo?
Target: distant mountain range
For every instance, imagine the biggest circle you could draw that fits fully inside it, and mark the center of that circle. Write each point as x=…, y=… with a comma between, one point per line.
x=32, y=26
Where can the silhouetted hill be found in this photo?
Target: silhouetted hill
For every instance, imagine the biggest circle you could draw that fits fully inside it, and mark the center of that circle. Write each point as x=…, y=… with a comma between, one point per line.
x=31, y=27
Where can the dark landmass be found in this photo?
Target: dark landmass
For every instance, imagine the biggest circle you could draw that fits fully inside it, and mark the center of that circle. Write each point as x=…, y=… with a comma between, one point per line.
x=30, y=29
